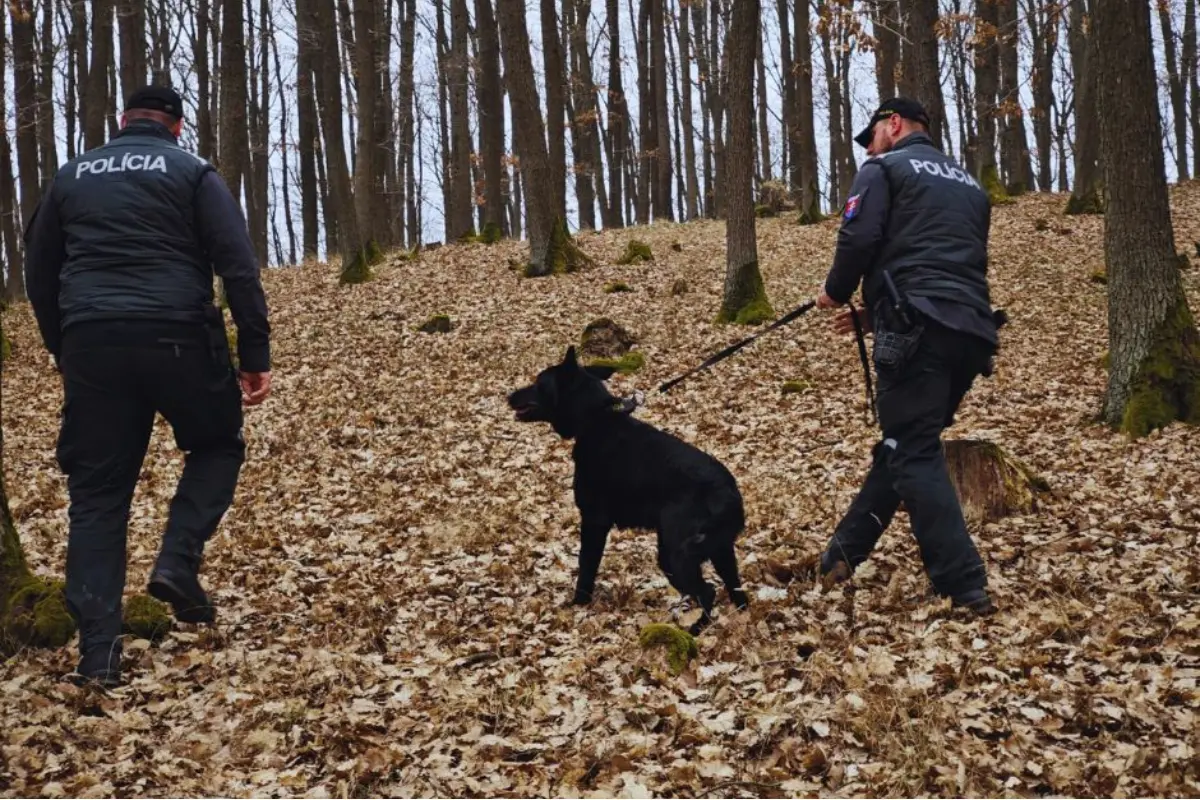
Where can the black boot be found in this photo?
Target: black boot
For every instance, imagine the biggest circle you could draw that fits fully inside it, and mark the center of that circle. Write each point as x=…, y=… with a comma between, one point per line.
x=101, y=664
x=179, y=585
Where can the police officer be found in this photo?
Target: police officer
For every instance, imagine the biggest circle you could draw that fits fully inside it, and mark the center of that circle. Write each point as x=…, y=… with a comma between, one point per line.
x=916, y=223
x=120, y=261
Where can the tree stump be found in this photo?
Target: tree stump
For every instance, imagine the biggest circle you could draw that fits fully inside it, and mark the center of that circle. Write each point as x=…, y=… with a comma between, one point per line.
x=990, y=483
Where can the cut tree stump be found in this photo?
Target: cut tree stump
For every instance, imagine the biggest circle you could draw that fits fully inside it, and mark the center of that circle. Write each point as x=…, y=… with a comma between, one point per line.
x=991, y=484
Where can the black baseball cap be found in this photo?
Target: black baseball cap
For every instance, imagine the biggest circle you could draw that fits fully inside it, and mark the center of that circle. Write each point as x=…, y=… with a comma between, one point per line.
x=163, y=99
x=906, y=107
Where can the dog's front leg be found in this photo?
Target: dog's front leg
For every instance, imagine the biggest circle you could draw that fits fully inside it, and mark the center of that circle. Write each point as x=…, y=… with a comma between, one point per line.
x=593, y=531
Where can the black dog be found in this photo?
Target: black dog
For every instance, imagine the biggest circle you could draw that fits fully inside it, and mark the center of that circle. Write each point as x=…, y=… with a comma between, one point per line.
x=632, y=475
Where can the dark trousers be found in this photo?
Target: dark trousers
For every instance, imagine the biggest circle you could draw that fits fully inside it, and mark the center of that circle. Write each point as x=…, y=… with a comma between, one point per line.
x=916, y=403
x=116, y=375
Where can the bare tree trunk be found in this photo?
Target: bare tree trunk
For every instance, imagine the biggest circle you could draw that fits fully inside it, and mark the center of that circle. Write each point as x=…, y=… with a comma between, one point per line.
x=258, y=180
x=646, y=184
x=1017, y=164
x=584, y=118
x=306, y=109
x=285, y=147
x=677, y=151
x=1178, y=91
x=205, y=145
x=443, y=60
x=555, y=107
x=967, y=139
x=708, y=86
x=460, y=224
x=717, y=99
x=49, y=150
x=764, y=130
x=788, y=144
x=490, y=99
x=885, y=23
x=25, y=93
x=97, y=84
x=662, y=117
x=407, y=135
x=744, y=299
x=367, y=69
x=618, y=122
x=329, y=94
x=550, y=246
x=987, y=89
x=1043, y=29
x=14, y=287
x=692, y=191
x=234, y=144
x=1154, y=378
x=131, y=27
x=383, y=189
x=1190, y=72
x=1086, y=194
x=921, y=74
x=79, y=57
x=809, y=177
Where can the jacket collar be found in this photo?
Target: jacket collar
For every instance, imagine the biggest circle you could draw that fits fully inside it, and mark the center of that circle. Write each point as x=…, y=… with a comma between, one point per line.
x=917, y=137
x=146, y=127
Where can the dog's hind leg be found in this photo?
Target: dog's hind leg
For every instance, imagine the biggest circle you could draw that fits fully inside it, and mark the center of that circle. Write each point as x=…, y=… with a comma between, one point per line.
x=688, y=578
x=725, y=562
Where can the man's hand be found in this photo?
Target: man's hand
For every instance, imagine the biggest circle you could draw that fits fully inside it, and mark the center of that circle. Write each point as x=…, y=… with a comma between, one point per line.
x=255, y=387
x=844, y=322
x=825, y=301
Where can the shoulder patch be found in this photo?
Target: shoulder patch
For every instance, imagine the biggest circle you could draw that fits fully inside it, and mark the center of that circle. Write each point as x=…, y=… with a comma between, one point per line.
x=851, y=208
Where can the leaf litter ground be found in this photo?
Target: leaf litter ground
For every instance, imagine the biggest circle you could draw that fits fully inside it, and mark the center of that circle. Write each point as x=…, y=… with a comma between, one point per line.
x=393, y=574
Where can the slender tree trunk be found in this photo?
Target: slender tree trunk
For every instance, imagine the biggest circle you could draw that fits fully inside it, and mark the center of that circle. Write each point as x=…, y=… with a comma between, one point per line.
x=588, y=166
x=285, y=149
x=260, y=130
x=662, y=118
x=489, y=97
x=329, y=94
x=1086, y=195
x=1190, y=71
x=718, y=98
x=708, y=85
x=809, y=177
x=45, y=96
x=97, y=84
x=306, y=110
x=1178, y=90
x=618, y=120
x=987, y=88
x=646, y=185
x=828, y=25
x=383, y=208
x=461, y=222
x=25, y=93
x=1043, y=28
x=367, y=69
x=692, y=191
x=205, y=138
x=764, y=129
x=745, y=298
x=555, y=106
x=234, y=144
x=967, y=140
x=443, y=60
x=921, y=74
x=79, y=52
x=14, y=287
x=788, y=144
x=1154, y=378
x=677, y=151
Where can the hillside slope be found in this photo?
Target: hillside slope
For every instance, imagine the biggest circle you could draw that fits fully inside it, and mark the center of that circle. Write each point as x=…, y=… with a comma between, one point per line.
x=392, y=578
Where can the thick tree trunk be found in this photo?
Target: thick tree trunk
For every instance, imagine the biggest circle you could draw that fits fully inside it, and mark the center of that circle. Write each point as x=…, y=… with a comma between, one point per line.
x=25, y=93
x=809, y=176
x=1086, y=195
x=1154, y=377
x=921, y=71
x=555, y=107
x=550, y=246
x=97, y=78
x=662, y=118
x=1017, y=163
x=131, y=30
x=885, y=23
x=1178, y=90
x=618, y=120
x=355, y=262
x=987, y=88
x=490, y=99
x=745, y=298
x=367, y=73
x=461, y=223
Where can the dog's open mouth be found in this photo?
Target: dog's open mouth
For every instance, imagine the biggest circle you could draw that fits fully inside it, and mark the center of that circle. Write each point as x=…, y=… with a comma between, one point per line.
x=526, y=412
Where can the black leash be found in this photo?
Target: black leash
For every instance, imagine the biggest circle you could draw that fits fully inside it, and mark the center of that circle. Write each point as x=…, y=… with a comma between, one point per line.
x=791, y=316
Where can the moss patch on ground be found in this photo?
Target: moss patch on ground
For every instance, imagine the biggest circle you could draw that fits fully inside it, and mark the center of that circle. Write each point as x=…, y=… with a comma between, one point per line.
x=679, y=644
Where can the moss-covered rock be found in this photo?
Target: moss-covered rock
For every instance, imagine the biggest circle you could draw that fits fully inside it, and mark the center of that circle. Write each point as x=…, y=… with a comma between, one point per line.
x=747, y=304
x=679, y=287
x=613, y=287
x=680, y=645
x=630, y=362
x=603, y=338
x=146, y=618
x=990, y=483
x=1166, y=387
x=438, y=323
x=636, y=252
x=35, y=615
x=796, y=387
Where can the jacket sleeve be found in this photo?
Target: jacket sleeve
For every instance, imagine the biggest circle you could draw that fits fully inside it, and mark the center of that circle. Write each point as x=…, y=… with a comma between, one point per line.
x=864, y=220
x=45, y=254
x=222, y=229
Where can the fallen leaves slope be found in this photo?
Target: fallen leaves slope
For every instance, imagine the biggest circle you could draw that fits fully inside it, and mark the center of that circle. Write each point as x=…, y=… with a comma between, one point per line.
x=392, y=576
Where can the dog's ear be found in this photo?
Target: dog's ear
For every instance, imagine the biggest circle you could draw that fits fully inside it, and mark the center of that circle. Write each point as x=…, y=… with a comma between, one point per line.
x=570, y=360
x=603, y=373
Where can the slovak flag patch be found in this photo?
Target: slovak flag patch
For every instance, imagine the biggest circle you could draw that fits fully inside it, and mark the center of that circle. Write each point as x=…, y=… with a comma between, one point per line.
x=852, y=206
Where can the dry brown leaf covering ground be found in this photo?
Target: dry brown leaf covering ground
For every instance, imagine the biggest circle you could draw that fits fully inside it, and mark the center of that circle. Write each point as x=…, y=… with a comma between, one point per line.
x=393, y=574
